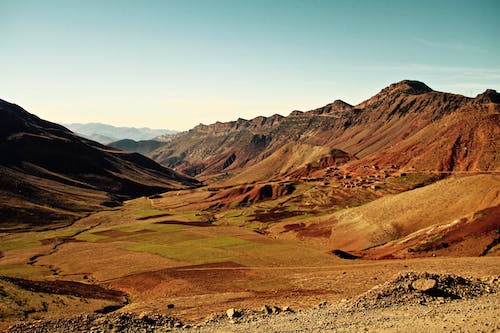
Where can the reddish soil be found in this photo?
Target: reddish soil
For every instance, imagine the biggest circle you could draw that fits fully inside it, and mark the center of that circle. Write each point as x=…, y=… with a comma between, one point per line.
x=309, y=231
x=248, y=194
x=275, y=214
x=315, y=231
x=205, y=278
x=294, y=226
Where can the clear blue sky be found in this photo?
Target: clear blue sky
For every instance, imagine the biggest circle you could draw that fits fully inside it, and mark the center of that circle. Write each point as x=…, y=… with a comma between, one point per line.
x=174, y=64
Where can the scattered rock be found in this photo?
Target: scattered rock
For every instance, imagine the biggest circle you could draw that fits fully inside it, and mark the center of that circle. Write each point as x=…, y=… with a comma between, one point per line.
x=170, y=306
x=423, y=288
x=112, y=322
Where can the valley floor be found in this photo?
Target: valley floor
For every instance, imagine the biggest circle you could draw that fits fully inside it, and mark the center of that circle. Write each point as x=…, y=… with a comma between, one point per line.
x=154, y=255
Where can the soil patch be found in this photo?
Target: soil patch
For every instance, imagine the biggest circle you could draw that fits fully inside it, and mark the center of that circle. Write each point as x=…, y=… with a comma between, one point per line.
x=206, y=278
x=315, y=231
x=294, y=226
x=275, y=214
x=312, y=230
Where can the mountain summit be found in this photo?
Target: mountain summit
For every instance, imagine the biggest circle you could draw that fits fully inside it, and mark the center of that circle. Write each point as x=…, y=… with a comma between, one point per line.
x=489, y=96
x=409, y=87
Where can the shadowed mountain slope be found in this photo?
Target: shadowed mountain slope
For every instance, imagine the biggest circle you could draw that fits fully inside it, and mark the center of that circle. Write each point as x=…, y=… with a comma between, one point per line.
x=142, y=146
x=50, y=175
x=407, y=123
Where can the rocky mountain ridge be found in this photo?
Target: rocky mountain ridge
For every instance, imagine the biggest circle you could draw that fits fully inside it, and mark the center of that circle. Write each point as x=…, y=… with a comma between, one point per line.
x=372, y=128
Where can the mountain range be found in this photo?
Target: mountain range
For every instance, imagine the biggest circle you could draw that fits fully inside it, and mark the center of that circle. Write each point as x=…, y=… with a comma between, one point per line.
x=105, y=134
x=406, y=124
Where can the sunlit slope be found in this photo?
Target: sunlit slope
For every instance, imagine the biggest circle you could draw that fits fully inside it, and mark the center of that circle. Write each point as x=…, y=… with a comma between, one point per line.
x=285, y=160
x=393, y=217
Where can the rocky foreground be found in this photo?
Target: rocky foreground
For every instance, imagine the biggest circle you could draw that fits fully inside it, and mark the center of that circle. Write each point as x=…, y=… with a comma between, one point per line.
x=411, y=302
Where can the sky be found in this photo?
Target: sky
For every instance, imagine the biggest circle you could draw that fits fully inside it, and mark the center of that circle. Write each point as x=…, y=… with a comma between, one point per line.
x=175, y=64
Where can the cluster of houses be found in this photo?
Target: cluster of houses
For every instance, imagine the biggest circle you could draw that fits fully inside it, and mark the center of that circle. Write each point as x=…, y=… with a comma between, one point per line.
x=373, y=179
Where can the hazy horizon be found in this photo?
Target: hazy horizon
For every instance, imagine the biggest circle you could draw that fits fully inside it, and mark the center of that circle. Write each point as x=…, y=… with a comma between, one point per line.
x=175, y=64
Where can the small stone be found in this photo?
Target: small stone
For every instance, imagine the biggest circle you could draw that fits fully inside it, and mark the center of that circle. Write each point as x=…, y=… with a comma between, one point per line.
x=233, y=313
x=170, y=306
x=266, y=309
x=322, y=304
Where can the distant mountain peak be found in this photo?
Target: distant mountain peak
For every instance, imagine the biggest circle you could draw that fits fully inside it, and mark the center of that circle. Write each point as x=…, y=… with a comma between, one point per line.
x=105, y=133
x=339, y=104
x=396, y=90
x=410, y=87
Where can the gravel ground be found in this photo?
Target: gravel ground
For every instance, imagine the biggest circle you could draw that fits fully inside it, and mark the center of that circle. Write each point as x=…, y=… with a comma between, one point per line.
x=477, y=315
x=411, y=302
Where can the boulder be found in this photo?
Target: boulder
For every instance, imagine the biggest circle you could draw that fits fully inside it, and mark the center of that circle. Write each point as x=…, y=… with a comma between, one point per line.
x=424, y=284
